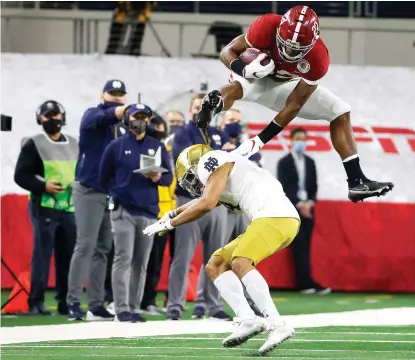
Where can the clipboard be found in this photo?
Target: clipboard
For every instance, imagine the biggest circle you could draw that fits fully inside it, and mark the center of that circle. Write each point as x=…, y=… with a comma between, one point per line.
x=154, y=168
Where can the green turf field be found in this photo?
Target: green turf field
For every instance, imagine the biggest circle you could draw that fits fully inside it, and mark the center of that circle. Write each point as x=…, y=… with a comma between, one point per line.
x=342, y=343
x=326, y=343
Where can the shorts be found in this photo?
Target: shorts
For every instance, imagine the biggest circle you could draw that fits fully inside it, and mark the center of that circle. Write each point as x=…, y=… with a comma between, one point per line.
x=322, y=104
x=262, y=238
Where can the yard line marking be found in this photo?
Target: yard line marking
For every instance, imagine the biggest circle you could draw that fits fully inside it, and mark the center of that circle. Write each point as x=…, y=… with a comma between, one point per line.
x=291, y=340
x=33, y=346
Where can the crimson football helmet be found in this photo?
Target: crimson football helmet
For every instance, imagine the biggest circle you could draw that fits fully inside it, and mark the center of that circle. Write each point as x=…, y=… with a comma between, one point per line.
x=297, y=33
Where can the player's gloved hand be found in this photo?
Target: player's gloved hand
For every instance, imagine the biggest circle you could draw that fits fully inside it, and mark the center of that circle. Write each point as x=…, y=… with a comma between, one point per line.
x=160, y=226
x=255, y=70
x=249, y=147
x=168, y=215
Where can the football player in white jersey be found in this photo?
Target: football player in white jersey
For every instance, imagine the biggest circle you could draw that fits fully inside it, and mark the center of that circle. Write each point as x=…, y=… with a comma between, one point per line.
x=217, y=177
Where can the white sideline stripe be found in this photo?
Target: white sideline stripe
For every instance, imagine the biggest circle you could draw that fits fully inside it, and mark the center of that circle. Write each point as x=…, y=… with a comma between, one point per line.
x=186, y=356
x=299, y=23
x=191, y=348
x=110, y=329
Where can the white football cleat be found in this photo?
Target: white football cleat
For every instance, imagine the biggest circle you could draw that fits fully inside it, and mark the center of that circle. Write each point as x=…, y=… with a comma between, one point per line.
x=244, y=329
x=276, y=336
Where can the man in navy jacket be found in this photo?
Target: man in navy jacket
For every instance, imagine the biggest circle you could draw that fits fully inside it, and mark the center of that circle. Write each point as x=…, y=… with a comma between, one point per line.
x=94, y=238
x=211, y=228
x=136, y=206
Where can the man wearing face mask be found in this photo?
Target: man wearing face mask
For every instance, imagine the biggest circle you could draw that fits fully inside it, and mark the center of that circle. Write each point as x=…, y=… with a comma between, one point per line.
x=211, y=228
x=298, y=176
x=174, y=120
x=136, y=206
x=46, y=168
x=94, y=237
x=167, y=202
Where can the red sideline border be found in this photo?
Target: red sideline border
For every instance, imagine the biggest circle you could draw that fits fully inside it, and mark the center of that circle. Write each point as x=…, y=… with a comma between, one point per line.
x=356, y=247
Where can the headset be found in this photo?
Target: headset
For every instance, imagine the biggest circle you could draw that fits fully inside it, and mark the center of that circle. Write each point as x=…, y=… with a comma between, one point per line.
x=61, y=110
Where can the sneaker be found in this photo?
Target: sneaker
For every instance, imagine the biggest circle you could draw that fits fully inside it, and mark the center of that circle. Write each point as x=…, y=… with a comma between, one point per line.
x=322, y=291
x=135, y=317
x=153, y=310
x=212, y=103
x=276, y=336
x=99, y=314
x=198, y=312
x=173, y=315
x=308, y=291
x=38, y=309
x=75, y=312
x=221, y=315
x=124, y=316
x=244, y=329
x=111, y=308
x=368, y=188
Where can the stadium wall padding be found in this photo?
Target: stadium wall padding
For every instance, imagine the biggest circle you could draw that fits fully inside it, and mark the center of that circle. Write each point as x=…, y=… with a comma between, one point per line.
x=368, y=246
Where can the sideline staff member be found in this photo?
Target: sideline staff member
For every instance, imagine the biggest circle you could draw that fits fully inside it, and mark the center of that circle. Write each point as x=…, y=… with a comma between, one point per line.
x=94, y=238
x=46, y=168
x=136, y=206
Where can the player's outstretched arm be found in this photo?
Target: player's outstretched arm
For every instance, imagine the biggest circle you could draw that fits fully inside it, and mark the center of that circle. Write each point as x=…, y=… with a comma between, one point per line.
x=210, y=198
x=295, y=102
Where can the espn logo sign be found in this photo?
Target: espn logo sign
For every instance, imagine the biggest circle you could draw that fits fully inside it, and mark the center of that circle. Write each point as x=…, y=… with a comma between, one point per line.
x=388, y=138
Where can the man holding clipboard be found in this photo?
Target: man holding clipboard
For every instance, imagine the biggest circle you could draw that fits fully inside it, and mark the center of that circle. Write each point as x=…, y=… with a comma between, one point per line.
x=132, y=168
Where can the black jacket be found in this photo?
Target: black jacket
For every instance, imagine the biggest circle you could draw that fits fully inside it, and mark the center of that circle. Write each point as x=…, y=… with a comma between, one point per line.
x=288, y=177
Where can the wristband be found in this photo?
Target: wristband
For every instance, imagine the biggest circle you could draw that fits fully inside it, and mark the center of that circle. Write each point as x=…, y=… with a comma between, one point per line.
x=270, y=131
x=237, y=66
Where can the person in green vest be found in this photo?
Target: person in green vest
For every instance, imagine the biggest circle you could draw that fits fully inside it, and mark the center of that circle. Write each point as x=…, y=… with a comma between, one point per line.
x=46, y=168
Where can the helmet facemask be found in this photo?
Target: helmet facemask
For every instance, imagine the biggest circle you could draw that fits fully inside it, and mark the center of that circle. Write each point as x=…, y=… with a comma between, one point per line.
x=292, y=51
x=191, y=183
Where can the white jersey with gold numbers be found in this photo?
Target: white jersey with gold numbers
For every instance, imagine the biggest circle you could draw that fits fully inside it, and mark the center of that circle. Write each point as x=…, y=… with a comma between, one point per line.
x=249, y=189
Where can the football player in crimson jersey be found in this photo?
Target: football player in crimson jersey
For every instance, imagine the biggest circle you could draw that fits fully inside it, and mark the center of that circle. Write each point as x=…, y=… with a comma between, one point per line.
x=289, y=85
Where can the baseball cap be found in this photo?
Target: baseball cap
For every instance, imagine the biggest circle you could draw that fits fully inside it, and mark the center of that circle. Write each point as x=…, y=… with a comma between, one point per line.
x=50, y=106
x=139, y=108
x=114, y=85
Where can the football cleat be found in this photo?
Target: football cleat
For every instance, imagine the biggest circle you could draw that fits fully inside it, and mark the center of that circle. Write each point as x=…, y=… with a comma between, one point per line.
x=367, y=189
x=212, y=104
x=276, y=336
x=244, y=329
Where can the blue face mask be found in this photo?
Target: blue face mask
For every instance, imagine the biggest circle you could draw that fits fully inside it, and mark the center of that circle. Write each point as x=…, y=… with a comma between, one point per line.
x=299, y=146
x=234, y=130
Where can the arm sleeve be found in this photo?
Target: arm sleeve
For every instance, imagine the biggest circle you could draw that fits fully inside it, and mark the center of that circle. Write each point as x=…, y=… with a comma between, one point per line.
x=286, y=182
x=259, y=33
x=107, y=168
x=95, y=118
x=181, y=141
x=29, y=164
x=166, y=178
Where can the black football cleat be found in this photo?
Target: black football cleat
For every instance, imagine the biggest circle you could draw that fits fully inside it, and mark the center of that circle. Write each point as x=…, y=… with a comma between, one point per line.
x=211, y=105
x=367, y=189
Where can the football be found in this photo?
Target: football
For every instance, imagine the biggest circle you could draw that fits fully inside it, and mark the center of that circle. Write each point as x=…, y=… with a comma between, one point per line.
x=251, y=54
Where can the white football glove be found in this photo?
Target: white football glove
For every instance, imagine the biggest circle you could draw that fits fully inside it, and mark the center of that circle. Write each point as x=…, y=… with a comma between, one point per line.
x=257, y=71
x=160, y=226
x=249, y=147
x=168, y=215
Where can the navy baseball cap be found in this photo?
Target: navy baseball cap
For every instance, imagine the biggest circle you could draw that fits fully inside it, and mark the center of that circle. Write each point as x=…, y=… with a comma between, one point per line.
x=135, y=109
x=114, y=85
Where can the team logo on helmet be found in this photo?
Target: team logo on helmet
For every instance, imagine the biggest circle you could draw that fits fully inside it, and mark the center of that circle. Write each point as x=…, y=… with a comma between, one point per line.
x=303, y=66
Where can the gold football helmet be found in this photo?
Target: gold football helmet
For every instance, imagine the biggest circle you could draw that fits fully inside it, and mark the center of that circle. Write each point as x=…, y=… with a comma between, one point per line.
x=186, y=169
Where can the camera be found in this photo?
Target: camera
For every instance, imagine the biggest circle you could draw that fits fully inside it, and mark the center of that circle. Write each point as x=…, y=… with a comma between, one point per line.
x=6, y=123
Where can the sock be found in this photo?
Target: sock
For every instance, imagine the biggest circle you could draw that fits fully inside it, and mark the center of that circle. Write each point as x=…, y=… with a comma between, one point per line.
x=353, y=170
x=232, y=291
x=272, y=129
x=258, y=290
